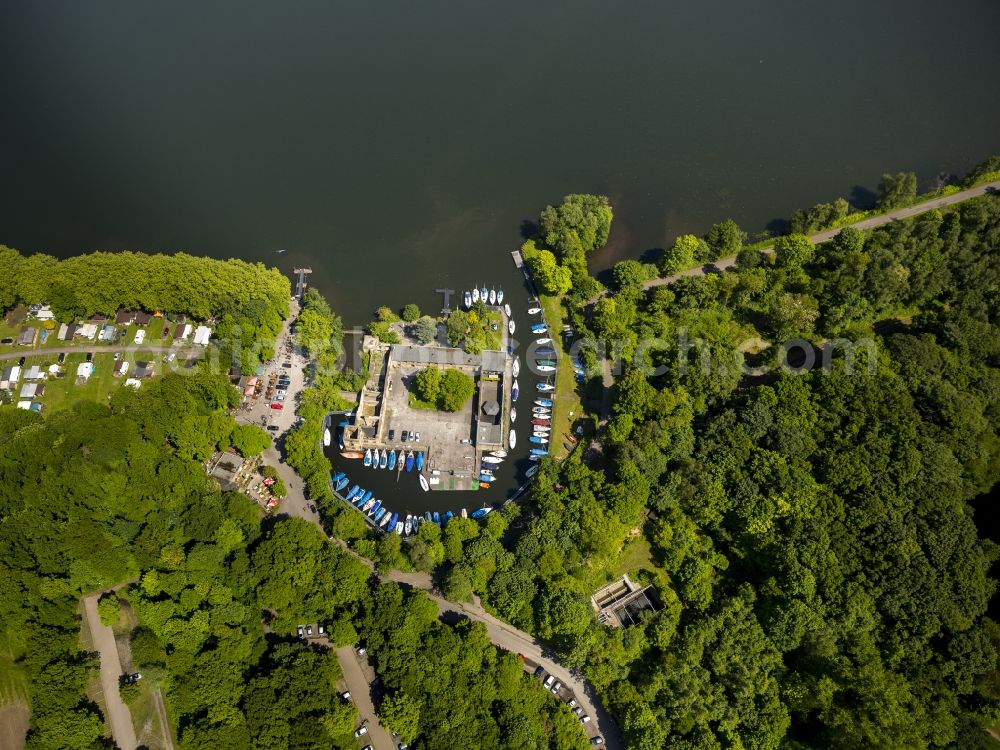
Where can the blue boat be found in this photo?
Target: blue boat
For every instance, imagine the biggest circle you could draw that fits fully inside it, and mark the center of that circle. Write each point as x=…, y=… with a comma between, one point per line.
x=368, y=457
x=416, y=523
x=352, y=493
x=340, y=434
x=539, y=452
x=537, y=440
x=338, y=476
x=546, y=402
x=375, y=507
x=486, y=478
x=545, y=387
x=539, y=328
x=480, y=512
x=384, y=461
x=427, y=517
x=378, y=516
x=409, y=461
x=420, y=460
x=447, y=517
x=341, y=484
x=545, y=362
x=363, y=498
x=544, y=352
x=514, y=392
x=437, y=518
x=392, y=521
x=392, y=460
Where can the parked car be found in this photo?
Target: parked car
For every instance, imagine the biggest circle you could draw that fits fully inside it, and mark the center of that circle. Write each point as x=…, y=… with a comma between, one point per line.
x=417, y=437
x=319, y=628
x=301, y=631
x=309, y=629
x=549, y=680
x=597, y=741
x=117, y=356
x=277, y=406
x=7, y=341
x=557, y=687
x=362, y=730
x=362, y=651
x=539, y=671
x=392, y=434
x=130, y=679
x=21, y=361
x=572, y=702
x=273, y=427
x=578, y=711
x=280, y=396
x=584, y=720
x=61, y=358
x=90, y=356
x=346, y=695
x=405, y=436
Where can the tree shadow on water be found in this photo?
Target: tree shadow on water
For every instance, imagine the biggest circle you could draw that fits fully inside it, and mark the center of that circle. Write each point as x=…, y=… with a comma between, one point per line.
x=862, y=198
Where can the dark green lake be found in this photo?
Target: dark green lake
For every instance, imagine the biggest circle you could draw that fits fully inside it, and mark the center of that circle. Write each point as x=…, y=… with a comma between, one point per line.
x=397, y=147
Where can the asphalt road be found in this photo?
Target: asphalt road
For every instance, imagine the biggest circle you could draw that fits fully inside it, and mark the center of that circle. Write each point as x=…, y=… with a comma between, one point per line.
x=118, y=716
x=360, y=686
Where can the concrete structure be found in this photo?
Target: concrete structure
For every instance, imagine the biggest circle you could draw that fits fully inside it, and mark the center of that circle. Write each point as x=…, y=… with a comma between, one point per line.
x=619, y=603
x=453, y=442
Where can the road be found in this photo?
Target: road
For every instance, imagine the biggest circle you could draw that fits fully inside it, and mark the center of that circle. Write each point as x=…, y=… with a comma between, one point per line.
x=118, y=716
x=724, y=264
x=360, y=687
x=98, y=350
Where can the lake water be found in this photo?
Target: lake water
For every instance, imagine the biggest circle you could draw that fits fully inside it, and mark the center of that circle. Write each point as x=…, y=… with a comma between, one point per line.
x=397, y=147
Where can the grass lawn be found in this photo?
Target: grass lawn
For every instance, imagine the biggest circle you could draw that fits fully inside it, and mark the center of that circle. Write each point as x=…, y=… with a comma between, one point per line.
x=566, y=404
x=13, y=683
x=61, y=393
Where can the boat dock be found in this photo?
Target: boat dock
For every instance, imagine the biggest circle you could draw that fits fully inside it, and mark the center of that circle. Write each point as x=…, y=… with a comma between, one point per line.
x=518, y=260
x=300, y=287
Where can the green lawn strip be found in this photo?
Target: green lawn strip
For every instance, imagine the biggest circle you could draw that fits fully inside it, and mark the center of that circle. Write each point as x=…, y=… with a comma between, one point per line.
x=566, y=399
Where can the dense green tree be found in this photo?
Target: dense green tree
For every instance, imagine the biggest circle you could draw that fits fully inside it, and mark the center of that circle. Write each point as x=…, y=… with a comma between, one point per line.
x=579, y=225
x=425, y=330
x=896, y=190
x=410, y=313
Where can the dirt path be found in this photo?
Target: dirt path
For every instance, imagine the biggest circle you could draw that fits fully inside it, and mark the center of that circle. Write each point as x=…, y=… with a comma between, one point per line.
x=118, y=716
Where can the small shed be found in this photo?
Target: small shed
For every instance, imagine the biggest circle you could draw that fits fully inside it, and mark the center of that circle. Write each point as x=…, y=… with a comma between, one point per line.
x=63, y=332
x=10, y=376
x=30, y=390
x=121, y=367
x=45, y=313
x=202, y=335
x=187, y=331
x=86, y=331
x=34, y=373
x=143, y=318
